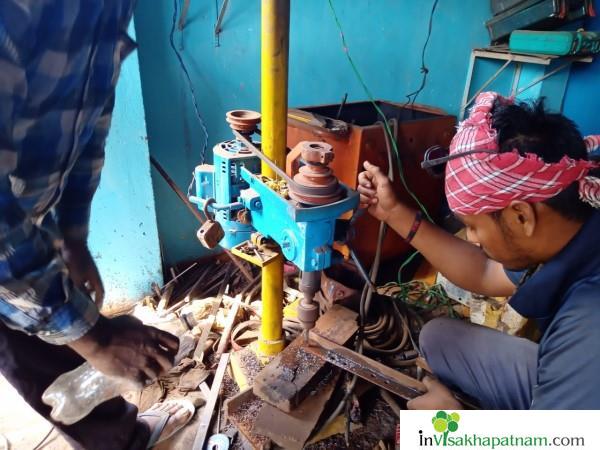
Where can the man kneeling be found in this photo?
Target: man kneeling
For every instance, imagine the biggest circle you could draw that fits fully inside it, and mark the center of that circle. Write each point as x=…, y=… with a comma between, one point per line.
x=520, y=180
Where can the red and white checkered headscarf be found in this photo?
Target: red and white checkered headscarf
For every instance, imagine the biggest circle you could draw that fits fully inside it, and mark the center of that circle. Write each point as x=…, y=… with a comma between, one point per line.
x=486, y=182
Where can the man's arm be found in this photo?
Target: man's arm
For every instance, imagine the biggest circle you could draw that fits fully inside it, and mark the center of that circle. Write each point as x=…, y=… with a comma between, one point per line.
x=37, y=294
x=463, y=263
x=74, y=207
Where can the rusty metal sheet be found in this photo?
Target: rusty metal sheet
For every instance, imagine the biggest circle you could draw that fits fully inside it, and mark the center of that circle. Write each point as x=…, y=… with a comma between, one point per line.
x=294, y=429
x=293, y=374
x=416, y=131
x=242, y=410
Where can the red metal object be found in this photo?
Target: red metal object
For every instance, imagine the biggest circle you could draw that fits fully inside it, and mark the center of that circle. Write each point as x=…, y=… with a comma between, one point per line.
x=417, y=129
x=243, y=120
x=315, y=173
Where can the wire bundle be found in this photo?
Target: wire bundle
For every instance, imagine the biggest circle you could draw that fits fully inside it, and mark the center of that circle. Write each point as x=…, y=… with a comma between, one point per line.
x=420, y=294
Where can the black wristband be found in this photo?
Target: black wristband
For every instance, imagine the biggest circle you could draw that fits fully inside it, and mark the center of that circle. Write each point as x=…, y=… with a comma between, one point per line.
x=415, y=227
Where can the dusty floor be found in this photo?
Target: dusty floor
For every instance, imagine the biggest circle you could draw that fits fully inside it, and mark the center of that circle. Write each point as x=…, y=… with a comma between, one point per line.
x=22, y=426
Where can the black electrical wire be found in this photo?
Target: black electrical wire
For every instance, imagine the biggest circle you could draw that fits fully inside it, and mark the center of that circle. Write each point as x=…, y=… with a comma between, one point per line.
x=189, y=80
x=44, y=441
x=191, y=87
x=412, y=97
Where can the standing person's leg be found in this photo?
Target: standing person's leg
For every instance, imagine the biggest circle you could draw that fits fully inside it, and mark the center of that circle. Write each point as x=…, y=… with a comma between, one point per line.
x=495, y=368
x=31, y=365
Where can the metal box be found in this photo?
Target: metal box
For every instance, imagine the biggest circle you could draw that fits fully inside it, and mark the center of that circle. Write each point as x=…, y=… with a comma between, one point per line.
x=500, y=6
x=537, y=15
x=364, y=139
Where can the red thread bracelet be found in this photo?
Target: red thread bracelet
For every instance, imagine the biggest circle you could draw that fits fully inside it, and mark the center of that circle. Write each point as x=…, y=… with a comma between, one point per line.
x=415, y=227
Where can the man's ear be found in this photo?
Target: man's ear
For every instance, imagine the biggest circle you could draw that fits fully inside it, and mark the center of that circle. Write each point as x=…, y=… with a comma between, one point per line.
x=521, y=218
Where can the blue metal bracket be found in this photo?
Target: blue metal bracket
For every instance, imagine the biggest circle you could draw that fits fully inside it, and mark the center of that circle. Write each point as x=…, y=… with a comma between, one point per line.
x=305, y=234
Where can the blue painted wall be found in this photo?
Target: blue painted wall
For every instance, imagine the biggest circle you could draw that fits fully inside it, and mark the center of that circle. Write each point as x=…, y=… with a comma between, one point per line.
x=385, y=38
x=582, y=100
x=123, y=231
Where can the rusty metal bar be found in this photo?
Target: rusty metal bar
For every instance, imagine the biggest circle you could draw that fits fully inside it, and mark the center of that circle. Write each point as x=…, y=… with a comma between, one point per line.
x=365, y=368
x=222, y=11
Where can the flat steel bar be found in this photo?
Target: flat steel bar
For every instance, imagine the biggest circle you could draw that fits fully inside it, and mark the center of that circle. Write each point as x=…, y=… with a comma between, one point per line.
x=211, y=402
x=365, y=368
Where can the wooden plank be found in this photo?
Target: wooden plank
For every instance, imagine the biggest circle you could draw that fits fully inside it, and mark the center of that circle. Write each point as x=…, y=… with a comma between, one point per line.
x=292, y=374
x=366, y=368
x=231, y=316
x=211, y=401
x=210, y=320
x=294, y=429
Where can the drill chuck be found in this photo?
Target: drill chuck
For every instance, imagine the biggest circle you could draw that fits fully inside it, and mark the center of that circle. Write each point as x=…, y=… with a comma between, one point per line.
x=308, y=310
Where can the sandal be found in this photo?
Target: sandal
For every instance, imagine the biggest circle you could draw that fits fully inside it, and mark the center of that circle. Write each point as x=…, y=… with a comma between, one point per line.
x=163, y=417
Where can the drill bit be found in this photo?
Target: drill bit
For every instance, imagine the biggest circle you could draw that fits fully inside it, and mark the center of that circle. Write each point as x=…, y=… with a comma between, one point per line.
x=308, y=310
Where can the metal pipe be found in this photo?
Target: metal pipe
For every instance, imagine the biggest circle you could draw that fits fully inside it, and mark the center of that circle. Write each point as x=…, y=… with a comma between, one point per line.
x=275, y=32
x=274, y=80
x=270, y=341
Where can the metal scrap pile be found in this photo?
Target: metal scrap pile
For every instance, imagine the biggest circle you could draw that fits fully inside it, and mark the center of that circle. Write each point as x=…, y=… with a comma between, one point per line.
x=216, y=312
x=213, y=308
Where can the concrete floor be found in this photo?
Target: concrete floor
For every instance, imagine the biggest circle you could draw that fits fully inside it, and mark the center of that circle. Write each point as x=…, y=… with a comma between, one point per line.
x=22, y=426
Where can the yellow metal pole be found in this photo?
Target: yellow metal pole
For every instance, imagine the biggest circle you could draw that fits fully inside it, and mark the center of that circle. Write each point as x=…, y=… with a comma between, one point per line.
x=274, y=80
x=271, y=340
x=275, y=31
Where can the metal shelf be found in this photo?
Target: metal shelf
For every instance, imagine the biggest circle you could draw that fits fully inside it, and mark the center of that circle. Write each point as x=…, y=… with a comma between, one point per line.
x=502, y=53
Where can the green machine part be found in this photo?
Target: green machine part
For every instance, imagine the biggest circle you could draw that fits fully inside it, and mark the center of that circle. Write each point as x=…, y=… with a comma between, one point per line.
x=559, y=43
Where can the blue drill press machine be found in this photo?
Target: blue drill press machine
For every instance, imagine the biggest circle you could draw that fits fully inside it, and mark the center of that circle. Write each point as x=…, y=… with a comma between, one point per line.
x=252, y=215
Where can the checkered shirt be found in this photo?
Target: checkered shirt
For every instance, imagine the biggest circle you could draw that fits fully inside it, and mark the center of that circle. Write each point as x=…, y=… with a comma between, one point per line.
x=59, y=62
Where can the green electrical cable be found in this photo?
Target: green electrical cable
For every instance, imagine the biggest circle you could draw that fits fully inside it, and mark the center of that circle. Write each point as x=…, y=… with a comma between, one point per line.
x=406, y=263
x=428, y=297
x=380, y=112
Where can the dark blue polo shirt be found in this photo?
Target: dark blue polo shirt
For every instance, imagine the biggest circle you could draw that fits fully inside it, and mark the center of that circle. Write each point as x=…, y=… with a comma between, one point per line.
x=564, y=298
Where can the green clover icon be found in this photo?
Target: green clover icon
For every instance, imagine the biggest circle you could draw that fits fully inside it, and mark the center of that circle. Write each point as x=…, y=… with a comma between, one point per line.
x=444, y=422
